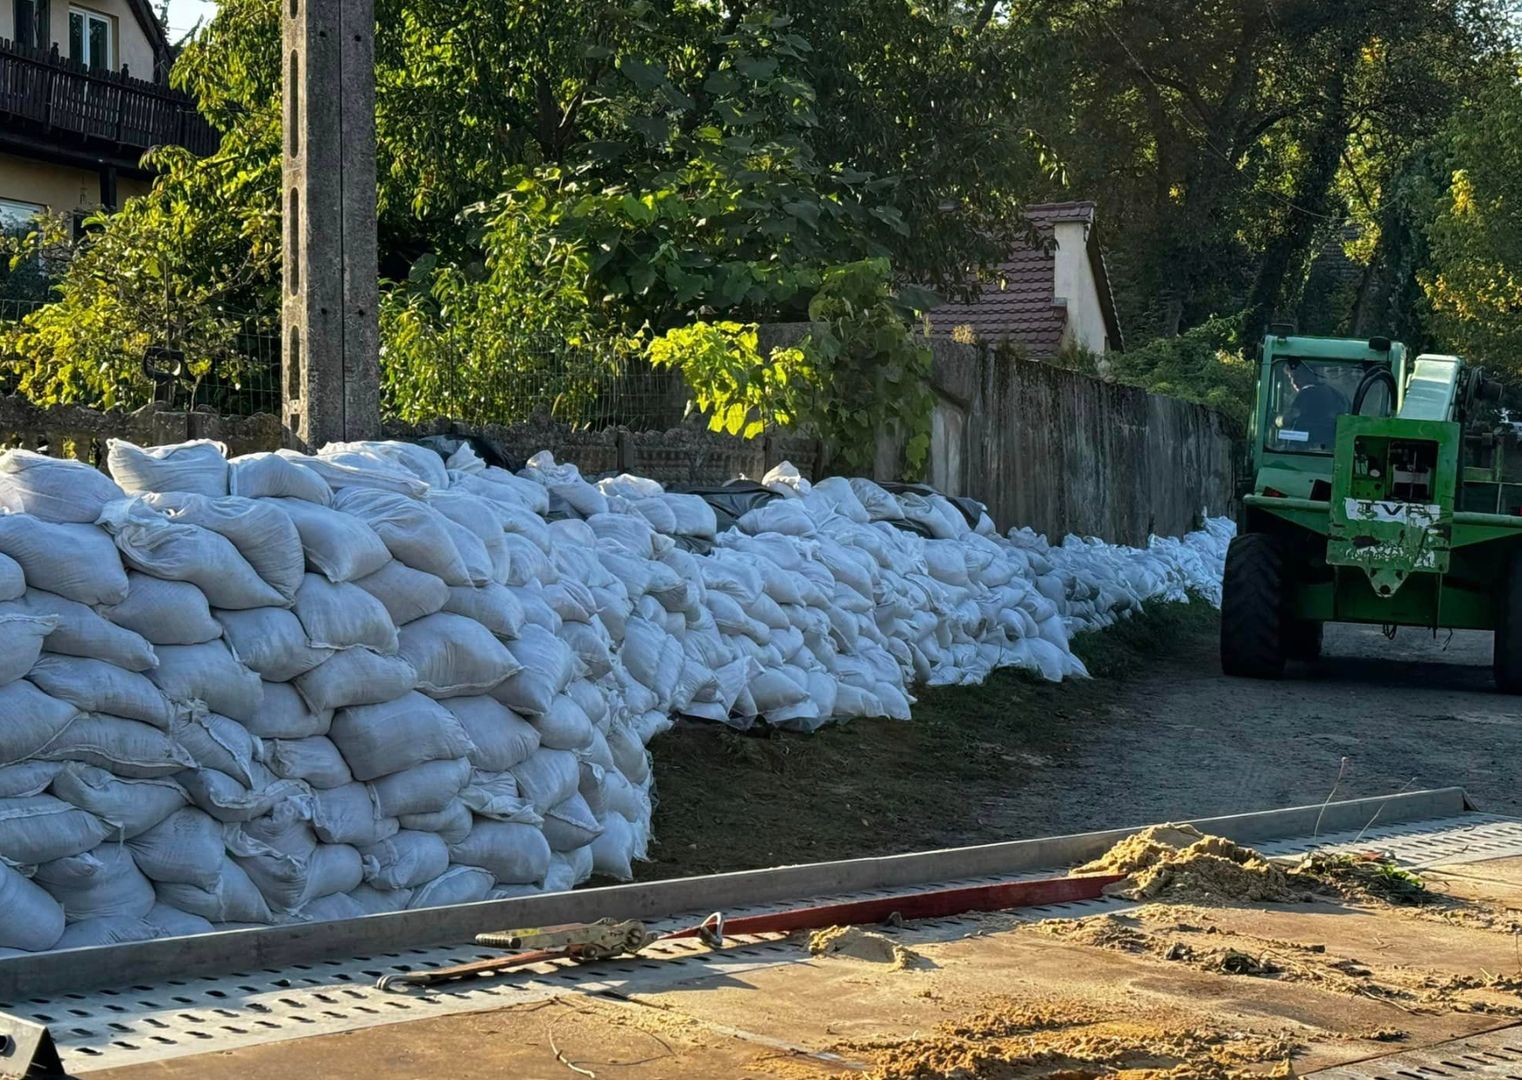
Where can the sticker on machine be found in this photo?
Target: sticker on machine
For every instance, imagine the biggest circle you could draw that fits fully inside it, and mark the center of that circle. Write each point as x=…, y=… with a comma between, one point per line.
x=1291, y=435
x=1377, y=510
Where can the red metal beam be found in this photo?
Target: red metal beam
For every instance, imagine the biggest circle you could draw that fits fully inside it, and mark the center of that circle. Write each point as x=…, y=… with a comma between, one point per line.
x=939, y=904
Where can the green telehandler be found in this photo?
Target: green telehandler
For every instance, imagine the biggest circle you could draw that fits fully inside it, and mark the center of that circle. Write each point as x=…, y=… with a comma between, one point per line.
x=1380, y=496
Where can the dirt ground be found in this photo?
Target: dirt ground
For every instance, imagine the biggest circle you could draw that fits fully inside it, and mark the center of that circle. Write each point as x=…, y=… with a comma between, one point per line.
x=1159, y=734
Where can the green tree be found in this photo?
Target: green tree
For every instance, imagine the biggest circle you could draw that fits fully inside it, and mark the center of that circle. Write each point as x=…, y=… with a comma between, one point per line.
x=1474, y=281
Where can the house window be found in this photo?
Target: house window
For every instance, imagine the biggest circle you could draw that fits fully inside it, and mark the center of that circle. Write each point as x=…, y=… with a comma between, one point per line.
x=90, y=38
x=31, y=23
x=16, y=215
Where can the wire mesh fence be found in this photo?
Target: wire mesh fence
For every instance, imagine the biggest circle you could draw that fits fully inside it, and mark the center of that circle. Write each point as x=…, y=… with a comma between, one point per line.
x=547, y=379
x=224, y=361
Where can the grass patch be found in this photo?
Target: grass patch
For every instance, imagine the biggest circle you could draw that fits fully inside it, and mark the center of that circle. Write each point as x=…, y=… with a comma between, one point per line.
x=732, y=801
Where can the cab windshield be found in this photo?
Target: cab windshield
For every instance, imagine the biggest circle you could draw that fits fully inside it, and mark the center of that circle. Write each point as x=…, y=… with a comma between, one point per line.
x=1305, y=399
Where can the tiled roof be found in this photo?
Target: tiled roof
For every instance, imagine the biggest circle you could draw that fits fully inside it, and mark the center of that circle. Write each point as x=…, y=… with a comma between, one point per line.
x=1017, y=302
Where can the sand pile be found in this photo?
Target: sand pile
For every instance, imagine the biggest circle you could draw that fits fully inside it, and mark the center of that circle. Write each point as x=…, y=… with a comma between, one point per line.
x=1181, y=864
x=862, y=944
x=1014, y=1040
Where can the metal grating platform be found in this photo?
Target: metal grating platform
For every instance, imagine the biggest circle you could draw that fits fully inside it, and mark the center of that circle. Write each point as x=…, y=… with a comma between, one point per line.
x=181, y=1017
x=178, y=1017
x=1495, y=1055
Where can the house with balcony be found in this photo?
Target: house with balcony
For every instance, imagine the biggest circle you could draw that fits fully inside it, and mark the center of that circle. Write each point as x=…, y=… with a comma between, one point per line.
x=84, y=91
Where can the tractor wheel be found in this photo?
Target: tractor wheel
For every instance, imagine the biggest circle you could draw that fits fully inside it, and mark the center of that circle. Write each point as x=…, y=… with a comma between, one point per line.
x=1508, y=636
x=1252, y=608
x=1302, y=639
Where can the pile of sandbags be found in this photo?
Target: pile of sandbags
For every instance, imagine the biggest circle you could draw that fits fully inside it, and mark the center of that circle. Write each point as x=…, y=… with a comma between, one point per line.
x=290, y=687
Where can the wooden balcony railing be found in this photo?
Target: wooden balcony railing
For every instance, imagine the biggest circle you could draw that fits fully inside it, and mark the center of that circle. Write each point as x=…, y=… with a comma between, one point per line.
x=55, y=97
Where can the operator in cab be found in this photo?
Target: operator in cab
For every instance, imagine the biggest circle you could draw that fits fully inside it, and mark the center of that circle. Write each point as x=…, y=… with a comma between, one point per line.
x=1315, y=406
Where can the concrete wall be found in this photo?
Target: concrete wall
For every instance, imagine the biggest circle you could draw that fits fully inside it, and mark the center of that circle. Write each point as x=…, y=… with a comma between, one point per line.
x=1064, y=452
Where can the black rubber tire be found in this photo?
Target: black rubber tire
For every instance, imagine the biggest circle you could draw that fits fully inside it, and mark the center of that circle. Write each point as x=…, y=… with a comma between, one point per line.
x=1508, y=635
x=1252, y=608
x=1302, y=639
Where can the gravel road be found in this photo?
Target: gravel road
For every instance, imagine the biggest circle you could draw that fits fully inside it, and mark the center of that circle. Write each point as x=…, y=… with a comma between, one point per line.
x=1185, y=741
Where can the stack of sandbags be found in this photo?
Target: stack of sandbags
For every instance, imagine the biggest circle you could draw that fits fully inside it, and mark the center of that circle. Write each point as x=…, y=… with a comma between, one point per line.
x=295, y=687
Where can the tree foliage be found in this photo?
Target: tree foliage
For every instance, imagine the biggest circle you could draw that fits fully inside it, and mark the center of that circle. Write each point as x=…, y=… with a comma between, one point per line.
x=1474, y=280
x=858, y=377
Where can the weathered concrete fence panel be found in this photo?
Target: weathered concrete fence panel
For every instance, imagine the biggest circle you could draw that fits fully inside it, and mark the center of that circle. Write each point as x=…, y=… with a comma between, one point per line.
x=1064, y=452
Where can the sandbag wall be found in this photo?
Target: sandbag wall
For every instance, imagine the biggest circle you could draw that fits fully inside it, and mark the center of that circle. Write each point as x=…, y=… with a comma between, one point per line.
x=289, y=687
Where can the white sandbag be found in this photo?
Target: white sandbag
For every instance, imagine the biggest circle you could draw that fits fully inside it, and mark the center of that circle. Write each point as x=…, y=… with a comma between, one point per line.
x=405, y=861
x=81, y=632
x=231, y=800
x=785, y=516
x=172, y=922
x=337, y=546
x=514, y=854
x=503, y=487
x=186, y=847
x=128, y=748
x=356, y=677
x=452, y=824
x=330, y=908
x=500, y=737
x=263, y=534
x=164, y=612
x=267, y=475
x=210, y=675
x=547, y=664
x=21, y=639
x=421, y=461
x=457, y=885
x=422, y=789
x=570, y=824
x=27, y=778
x=287, y=882
x=347, y=815
x=30, y=721
x=469, y=546
x=415, y=534
x=389, y=736
x=348, y=468
x=151, y=543
x=314, y=760
x=12, y=580
x=33, y=920
x=613, y=850
x=405, y=593
x=495, y=796
x=564, y=726
x=130, y=807
x=493, y=606
x=271, y=641
x=455, y=656
x=230, y=897
x=199, y=466
x=112, y=930
x=547, y=777
x=96, y=686
x=285, y=714
x=217, y=742
x=340, y=615
x=39, y=828
x=53, y=489
x=77, y=561
x=373, y=901
x=98, y=884
x=629, y=754
x=593, y=700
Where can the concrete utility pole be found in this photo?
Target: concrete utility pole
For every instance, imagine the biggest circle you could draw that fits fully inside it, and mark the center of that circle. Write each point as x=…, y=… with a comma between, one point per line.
x=331, y=354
